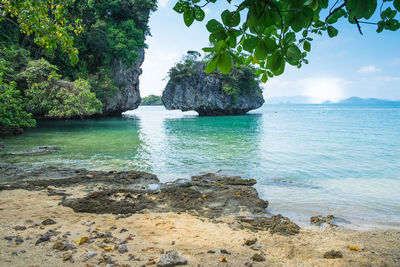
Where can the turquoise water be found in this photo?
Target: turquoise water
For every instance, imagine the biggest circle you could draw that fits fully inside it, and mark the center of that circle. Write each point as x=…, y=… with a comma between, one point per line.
x=307, y=159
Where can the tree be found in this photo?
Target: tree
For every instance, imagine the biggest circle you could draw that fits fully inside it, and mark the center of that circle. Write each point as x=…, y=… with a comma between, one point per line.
x=46, y=20
x=271, y=33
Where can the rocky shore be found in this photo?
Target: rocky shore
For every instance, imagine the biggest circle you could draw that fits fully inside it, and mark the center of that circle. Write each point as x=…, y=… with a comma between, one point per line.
x=75, y=217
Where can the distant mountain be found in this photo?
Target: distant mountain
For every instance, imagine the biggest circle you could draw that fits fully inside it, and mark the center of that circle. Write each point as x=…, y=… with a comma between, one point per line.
x=366, y=101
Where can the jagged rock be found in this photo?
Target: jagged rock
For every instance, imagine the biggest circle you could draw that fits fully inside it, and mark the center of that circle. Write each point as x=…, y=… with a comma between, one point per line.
x=203, y=93
x=127, y=80
x=333, y=254
x=171, y=258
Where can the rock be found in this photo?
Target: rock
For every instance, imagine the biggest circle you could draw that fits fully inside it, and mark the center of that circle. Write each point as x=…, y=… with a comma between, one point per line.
x=224, y=251
x=63, y=246
x=10, y=237
x=258, y=257
x=19, y=228
x=48, y=222
x=248, y=264
x=35, y=151
x=256, y=247
x=43, y=238
x=276, y=224
x=122, y=248
x=320, y=220
x=249, y=242
x=127, y=80
x=211, y=252
x=18, y=240
x=171, y=258
x=2, y=145
x=67, y=256
x=91, y=254
x=333, y=254
x=203, y=93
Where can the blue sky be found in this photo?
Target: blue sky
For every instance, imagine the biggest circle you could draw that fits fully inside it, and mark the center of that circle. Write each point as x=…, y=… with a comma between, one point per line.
x=348, y=65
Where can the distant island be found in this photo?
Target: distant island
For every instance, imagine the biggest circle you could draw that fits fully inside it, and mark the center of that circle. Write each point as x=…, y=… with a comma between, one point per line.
x=151, y=100
x=365, y=101
x=300, y=99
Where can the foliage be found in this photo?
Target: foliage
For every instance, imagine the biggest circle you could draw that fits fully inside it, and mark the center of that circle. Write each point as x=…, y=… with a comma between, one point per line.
x=103, y=85
x=271, y=33
x=46, y=20
x=49, y=96
x=241, y=79
x=152, y=100
x=12, y=113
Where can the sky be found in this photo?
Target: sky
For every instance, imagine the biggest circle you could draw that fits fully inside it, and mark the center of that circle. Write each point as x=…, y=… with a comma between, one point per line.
x=348, y=65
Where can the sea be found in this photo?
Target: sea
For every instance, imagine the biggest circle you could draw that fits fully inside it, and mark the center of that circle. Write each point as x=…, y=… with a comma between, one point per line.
x=308, y=160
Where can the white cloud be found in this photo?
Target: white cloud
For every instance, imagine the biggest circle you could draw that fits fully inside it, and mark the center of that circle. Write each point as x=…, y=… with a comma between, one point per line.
x=323, y=88
x=162, y=3
x=369, y=69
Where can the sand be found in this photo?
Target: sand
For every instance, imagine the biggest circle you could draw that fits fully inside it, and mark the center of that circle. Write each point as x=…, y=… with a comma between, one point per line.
x=150, y=235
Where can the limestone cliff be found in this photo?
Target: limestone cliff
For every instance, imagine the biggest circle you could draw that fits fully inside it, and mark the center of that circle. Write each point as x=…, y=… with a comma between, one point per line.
x=127, y=80
x=204, y=94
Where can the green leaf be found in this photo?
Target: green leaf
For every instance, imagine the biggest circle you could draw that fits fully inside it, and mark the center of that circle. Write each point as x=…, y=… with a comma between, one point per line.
x=275, y=62
x=212, y=65
x=250, y=43
x=217, y=36
x=180, y=7
x=225, y=62
x=332, y=31
x=361, y=8
x=213, y=26
x=261, y=51
x=230, y=19
x=264, y=78
x=396, y=4
x=307, y=46
x=199, y=13
x=323, y=3
x=293, y=55
x=188, y=17
x=207, y=49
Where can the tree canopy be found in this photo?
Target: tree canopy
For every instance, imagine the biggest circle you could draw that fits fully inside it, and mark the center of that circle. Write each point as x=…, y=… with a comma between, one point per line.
x=271, y=33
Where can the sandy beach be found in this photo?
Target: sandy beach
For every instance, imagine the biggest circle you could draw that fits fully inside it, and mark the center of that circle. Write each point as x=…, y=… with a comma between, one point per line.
x=148, y=236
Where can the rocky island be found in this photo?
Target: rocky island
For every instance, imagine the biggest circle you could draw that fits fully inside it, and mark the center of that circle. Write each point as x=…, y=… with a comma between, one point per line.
x=190, y=88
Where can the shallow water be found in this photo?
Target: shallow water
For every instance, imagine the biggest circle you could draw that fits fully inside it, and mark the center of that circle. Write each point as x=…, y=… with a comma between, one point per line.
x=307, y=159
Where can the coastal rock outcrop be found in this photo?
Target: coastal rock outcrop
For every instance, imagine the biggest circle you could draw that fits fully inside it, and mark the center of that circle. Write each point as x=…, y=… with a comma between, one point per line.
x=204, y=94
x=127, y=80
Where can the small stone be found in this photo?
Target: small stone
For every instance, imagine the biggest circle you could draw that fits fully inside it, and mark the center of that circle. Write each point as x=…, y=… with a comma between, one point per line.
x=256, y=247
x=43, y=238
x=10, y=237
x=122, y=248
x=123, y=230
x=59, y=246
x=171, y=258
x=91, y=254
x=14, y=253
x=173, y=243
x=211, y=252
x=67, y=256
x=18, y=240
x=112, y=228
x=48, y=222
x=152, y=262
x=224, y=251
x=19, y=228
x=249, y=242
x=258, y=257
x=248, y=264
x=333, y=254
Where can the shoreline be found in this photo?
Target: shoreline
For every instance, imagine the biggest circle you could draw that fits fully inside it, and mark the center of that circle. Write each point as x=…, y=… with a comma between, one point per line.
x=206, y=230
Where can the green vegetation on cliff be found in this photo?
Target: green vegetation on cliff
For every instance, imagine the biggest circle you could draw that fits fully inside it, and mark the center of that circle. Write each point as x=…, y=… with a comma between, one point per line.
x=241, y=78
x=151, y=100
x=39, y=62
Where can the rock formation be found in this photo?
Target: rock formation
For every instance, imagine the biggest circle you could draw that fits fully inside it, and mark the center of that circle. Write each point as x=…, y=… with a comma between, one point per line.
x=127, y=79
x=203, y=93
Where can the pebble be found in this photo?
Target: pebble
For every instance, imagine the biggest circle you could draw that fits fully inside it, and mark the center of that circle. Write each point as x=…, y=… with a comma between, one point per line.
x=258, y=257
x=333, y=254
x=224, y=251
x=123, y=230
x=249, y=242
x=211, y=252
x=248, y=264
x=42, y=239
x=256, y=247
x=122, y=248
x=19, y=228
x=19, y=240
x=171, y=258
x=67, y=256
x=48, y=222
x=10, y=237
x=91, y=254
